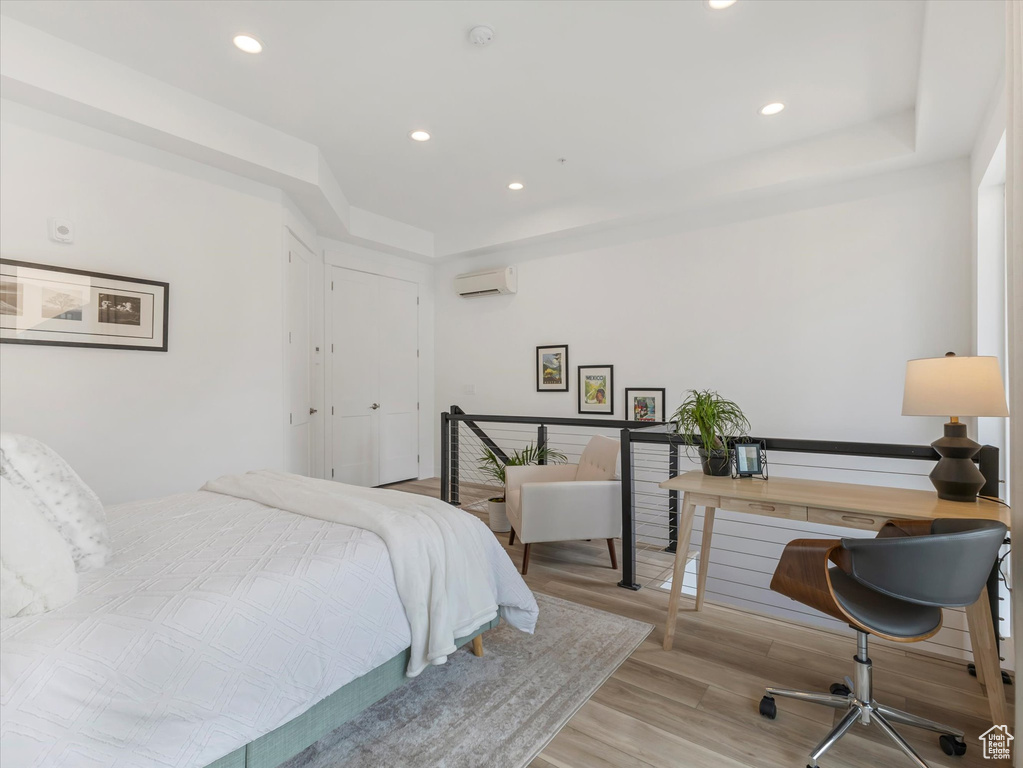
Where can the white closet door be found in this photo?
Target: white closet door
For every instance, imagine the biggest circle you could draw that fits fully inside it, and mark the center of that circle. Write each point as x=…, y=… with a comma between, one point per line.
x=299, y=362
x=355, y=377
x=398, y=319
x=375, y=378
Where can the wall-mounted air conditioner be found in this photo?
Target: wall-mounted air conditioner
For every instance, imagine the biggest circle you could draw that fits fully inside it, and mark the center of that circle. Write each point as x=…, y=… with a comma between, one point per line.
x=492, y=282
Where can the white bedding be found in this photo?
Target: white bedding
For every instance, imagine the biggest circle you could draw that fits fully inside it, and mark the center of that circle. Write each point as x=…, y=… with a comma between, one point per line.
x=216, y=620
x=438, y=553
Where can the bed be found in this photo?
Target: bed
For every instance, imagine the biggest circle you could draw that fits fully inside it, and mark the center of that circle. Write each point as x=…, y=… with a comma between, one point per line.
x=223, y=632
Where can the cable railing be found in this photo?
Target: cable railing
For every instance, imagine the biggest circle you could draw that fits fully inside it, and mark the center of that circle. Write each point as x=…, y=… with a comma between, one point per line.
x=745, y=548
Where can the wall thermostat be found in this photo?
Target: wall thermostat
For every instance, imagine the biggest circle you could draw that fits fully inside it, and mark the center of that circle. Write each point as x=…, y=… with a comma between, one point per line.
x=62, y=230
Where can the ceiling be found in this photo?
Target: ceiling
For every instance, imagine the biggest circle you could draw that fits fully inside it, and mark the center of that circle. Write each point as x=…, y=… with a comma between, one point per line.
x=633, y=95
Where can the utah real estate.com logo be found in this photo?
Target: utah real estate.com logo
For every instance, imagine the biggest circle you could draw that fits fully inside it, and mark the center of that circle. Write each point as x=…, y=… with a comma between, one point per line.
x=997, y=743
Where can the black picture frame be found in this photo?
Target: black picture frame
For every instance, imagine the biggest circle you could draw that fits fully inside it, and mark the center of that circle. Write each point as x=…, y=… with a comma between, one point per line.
x=749, y=459
x=630, y=407
x=541, y=386
x=108, y=315
x=607, y=407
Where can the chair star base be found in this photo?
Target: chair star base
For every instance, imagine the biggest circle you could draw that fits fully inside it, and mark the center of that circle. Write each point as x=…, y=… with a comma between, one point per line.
x=857, y=698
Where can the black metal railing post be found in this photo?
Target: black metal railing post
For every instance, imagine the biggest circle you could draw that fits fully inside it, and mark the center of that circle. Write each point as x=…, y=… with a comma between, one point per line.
x=455, y=474
x=987, y=459
x=657, y=434
x=541, y=442
x=672, y=499
x=445, y=456
x=628, y=527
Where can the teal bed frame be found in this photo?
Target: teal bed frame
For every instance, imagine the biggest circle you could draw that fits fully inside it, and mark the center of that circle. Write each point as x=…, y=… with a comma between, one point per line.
x=282, y=743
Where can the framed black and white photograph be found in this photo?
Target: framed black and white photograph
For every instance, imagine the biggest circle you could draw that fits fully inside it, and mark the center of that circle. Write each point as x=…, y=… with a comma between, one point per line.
x=58, y=306
x=596, y=389
x=645, y=404
x=552, y=368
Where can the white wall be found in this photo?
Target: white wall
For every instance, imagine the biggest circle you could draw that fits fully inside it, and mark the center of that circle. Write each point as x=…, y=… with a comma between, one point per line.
x=803, y=308
x=139, y=424
x=987, y=187
x=805, y=312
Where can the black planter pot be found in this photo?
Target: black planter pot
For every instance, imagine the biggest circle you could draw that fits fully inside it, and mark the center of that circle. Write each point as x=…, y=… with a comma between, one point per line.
x=716, y=463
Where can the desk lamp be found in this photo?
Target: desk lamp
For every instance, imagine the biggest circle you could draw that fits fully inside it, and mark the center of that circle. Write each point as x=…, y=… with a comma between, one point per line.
x=965, y=386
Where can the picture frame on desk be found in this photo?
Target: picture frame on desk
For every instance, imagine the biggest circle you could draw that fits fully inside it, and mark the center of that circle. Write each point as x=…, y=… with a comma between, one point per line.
x=749, y=459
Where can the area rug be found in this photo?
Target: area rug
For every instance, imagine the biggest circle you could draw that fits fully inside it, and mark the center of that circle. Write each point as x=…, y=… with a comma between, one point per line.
x=498, y=711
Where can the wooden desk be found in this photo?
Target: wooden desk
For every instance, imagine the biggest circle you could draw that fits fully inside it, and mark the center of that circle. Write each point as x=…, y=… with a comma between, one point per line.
x=840, y=504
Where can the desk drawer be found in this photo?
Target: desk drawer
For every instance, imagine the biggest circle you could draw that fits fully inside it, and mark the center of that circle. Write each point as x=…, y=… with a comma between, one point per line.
x=846, y=519
x=766, y=508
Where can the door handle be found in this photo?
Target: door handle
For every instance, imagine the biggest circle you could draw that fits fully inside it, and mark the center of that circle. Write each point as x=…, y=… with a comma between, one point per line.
x=375, y=406
x=312, y=411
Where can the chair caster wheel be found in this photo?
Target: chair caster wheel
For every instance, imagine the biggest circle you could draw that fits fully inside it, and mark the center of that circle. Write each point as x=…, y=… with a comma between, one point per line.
x=839, y=689
x=952, y=745
x=768, y=708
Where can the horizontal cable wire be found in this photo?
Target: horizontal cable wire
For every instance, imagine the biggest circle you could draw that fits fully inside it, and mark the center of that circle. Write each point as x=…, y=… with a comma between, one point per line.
x=735, y=538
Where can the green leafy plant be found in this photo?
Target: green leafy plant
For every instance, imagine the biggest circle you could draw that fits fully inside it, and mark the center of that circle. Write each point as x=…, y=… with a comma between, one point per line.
x=710, y=419
x=492, y=467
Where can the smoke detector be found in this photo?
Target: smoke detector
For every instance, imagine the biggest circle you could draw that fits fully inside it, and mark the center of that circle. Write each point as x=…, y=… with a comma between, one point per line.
x=481, y=35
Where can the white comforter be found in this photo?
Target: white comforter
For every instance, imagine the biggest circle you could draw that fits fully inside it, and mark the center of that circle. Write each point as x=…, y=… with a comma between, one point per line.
x=438, y=553
x=216, y=620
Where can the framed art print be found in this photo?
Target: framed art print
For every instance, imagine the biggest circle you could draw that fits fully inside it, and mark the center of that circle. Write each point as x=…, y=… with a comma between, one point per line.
x=552, y=368
x=644, y=404
x=596, y=389
x=57, y=306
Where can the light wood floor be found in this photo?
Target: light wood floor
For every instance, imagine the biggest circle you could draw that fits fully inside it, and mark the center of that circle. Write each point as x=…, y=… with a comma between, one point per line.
x=696, y=705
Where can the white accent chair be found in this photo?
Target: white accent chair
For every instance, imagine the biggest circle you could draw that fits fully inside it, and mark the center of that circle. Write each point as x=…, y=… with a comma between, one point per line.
x=567, y=502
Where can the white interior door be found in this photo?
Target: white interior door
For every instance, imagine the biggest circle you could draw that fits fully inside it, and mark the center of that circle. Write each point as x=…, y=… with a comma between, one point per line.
x=374, y=378
x=398, y=305
x=299, y=361
x=355, y=380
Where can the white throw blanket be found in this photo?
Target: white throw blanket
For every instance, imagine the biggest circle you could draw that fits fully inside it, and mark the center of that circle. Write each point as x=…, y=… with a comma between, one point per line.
x=438, y=553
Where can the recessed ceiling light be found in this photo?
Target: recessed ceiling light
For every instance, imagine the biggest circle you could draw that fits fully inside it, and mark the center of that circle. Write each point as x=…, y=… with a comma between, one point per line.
x=720, y=5
x=516, y=185
x=772, y=109
x=248, y=43
x=419, y=136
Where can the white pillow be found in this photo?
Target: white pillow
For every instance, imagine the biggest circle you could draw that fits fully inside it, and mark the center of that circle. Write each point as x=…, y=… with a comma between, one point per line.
x=59, y=495
x=37, y=573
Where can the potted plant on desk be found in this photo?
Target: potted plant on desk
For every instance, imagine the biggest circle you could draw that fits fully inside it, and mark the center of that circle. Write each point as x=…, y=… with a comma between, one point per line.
x=492, y=467
x=711, y=420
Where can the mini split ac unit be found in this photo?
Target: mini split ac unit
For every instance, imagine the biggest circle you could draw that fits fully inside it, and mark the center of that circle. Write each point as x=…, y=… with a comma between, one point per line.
x=493, y=282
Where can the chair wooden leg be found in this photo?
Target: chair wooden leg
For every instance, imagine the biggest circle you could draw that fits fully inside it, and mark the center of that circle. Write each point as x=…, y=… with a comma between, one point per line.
x=525, y=559
x=614, y=555
x=511, y=537
x=477, y=645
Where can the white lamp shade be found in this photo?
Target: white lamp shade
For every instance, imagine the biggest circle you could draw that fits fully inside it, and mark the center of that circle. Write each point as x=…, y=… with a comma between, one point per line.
x=954, y=386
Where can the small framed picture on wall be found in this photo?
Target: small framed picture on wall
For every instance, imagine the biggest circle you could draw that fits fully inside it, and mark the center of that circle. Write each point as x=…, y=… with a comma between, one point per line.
x=552, y=368
x=644, y=404
x=596, y=389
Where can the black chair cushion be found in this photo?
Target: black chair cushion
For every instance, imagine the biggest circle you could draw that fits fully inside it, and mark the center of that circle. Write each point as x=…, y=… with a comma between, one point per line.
x=886, y=615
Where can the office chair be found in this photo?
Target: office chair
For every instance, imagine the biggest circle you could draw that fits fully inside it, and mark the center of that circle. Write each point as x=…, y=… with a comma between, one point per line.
x=893, y=586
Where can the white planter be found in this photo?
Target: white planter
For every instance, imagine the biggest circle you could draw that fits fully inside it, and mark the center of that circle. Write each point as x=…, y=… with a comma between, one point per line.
x=499, y=522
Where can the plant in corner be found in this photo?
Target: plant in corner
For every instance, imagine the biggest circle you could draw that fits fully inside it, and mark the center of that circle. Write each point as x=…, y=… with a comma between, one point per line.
x=709, y=421
x=492, y=467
